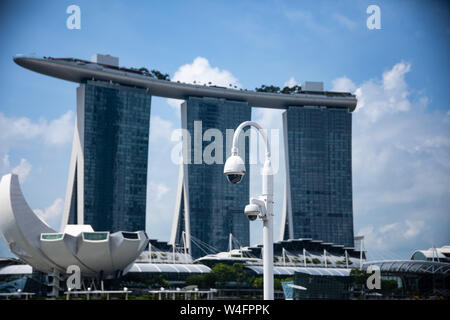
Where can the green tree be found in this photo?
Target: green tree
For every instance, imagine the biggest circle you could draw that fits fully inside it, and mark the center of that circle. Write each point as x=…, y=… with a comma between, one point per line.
x=270, y=88
x=359, y=278
x=145, y=70
x=277, y=284
x=258, y=283
x=239, y=274
x=220, y=275
x=223, y=272
x=388, y=286
x=203, y=281
x=160, y=76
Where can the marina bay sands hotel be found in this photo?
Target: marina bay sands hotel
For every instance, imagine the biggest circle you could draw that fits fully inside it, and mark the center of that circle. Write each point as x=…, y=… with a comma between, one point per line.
x=107, y=183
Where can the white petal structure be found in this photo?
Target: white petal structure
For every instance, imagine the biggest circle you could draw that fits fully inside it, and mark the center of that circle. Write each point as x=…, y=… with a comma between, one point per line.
x=32, y=240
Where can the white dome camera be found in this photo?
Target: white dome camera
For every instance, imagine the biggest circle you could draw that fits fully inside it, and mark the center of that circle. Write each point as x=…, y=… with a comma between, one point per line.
x=256, y=208
x=252, y=211
x=234, y=169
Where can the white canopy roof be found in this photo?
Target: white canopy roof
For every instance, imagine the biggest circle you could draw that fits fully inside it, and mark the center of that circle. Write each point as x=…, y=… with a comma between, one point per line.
x=312, y=271
x=16, y=269
x=169, y=267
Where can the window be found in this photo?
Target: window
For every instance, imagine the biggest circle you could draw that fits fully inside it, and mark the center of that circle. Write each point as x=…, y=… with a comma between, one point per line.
x=130, y=235
x=95, y=236
x=51, y=236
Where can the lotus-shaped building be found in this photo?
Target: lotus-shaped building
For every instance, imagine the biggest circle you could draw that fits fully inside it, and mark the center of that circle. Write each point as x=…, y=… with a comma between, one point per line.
x=32, y=240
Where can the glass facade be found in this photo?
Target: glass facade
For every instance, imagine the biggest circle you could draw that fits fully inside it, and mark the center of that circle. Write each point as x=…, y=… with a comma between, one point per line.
x=319, y=174
x=215, y=206
x=322, y=287
x=51, y=236
x=115, y=151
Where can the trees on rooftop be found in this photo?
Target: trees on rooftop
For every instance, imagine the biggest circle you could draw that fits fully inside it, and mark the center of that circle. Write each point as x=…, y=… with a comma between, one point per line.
x=155, y=74
x=275, y=89
x=160, y=76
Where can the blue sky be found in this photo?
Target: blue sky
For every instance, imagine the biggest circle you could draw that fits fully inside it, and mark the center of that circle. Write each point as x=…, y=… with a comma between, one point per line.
x=401, y=144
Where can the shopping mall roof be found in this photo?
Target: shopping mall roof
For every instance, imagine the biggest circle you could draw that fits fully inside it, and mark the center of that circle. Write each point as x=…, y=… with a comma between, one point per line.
x=434, y=254
x=16, y=269
x=288, y=271
x=168, y=268
x=410, y=266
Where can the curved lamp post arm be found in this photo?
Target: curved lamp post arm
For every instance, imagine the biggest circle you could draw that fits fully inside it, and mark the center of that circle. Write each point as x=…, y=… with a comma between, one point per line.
x=234, y=149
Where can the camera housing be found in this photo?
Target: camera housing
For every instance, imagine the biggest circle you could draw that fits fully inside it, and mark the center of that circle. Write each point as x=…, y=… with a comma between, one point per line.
x=252, y=211
x=256, y=209
x=234, y=169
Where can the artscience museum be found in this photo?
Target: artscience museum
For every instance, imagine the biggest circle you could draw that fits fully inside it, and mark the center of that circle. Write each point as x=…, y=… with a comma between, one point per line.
x=96, y=253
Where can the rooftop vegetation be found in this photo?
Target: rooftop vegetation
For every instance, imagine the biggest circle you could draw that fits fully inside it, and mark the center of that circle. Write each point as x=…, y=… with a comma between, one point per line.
x=274, y=89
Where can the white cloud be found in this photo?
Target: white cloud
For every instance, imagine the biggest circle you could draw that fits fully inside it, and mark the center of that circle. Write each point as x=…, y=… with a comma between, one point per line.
x=383, y=241
x=394, y=78
x=377, y=99
x=52, y=214
x=22, y=170
x=160, y=205
x=157, y=190
x=414, y=228
x=5, y=161
x=202, y=72
x=160, y=129
x=21, y=131
x=343, y=84
x=270, y=119
x=401, y=160
x=162, y=179
x=344, y=21
x=59, y=131
x=56, y=132
x=306, y=18
x=388, y=227
x=401, y=164
x=291, y=82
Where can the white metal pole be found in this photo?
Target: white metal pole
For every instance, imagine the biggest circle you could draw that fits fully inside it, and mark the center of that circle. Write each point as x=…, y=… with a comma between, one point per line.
x=268, y=258
x=267, y=195
x=268, y=229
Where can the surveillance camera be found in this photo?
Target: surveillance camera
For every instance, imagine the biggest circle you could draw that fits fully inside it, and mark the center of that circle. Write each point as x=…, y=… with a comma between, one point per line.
x=256, y=208
x=234, y=169
x=252, y=211
x=234, y=178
